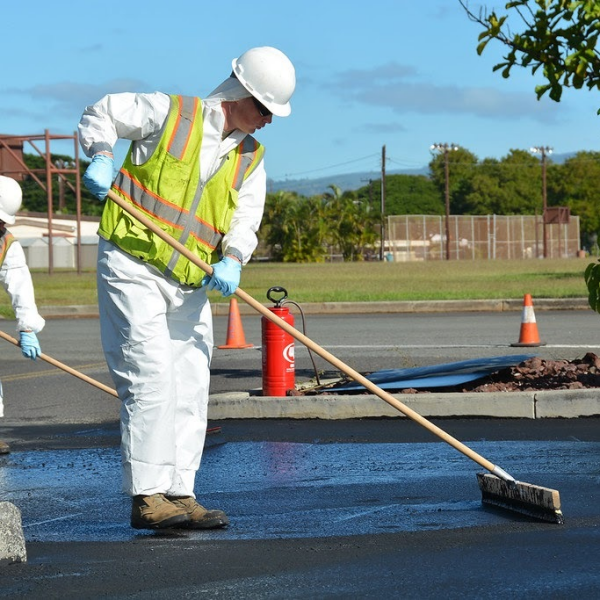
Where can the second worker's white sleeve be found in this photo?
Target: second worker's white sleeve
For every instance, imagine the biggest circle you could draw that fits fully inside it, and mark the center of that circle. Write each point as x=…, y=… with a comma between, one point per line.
x=16, y=280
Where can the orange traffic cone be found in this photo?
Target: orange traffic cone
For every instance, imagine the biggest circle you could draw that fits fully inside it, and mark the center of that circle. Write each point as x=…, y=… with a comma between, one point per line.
x=235, y=332
x=529, y=332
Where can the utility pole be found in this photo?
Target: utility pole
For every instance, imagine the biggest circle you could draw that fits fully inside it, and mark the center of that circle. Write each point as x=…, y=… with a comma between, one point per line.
x=544, y=151
x=382, y=251
x=445, y=149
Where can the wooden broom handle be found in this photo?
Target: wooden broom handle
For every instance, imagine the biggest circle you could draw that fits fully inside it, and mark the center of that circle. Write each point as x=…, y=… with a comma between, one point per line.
x=391, y=400
x=64, y=367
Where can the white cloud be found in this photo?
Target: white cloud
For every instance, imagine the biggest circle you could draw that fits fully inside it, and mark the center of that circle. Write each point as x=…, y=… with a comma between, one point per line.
x=393, y=86
x=68, y=96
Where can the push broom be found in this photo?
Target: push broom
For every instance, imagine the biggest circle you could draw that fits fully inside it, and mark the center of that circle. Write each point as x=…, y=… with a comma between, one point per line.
x=82, y=376
x=498, y=488
x=65, y=368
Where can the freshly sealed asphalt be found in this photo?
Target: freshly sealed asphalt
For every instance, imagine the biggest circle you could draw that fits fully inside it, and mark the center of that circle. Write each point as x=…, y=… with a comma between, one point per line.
x=319, y=509
x=346, y=508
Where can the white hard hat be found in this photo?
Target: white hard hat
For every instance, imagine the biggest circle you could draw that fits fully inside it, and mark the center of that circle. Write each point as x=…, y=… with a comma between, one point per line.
x=11, y=197
x=268, y=74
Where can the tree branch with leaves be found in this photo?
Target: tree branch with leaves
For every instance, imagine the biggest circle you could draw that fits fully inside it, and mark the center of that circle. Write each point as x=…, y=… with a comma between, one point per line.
x=558, y=38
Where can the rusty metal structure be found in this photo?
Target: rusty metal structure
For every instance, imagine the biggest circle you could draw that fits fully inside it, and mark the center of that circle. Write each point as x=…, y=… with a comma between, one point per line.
x=13, y=165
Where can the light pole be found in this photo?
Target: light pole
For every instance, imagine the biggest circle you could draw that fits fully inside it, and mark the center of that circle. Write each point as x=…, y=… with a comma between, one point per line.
x=544, y=151
x=445, y=149
x=382, y=250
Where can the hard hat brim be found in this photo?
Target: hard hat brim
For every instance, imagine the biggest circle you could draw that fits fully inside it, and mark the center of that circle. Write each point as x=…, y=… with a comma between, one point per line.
x=8, y=219
x=279, y=110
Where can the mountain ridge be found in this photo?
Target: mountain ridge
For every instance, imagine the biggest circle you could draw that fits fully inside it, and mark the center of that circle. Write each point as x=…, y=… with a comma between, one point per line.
x=345, y=181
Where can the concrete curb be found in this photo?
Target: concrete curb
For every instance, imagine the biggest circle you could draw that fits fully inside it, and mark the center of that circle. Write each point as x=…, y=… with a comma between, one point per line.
x=69, y=312
x=566, y=404
x=316, y=308
x=12, y=540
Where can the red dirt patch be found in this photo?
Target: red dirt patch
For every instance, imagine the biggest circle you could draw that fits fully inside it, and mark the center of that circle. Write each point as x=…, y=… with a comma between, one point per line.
x=540, y=374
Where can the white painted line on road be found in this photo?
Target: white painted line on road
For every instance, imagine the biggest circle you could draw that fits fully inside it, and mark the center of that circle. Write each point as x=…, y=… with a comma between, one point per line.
x=365, y=512
x=52, y=520
x=428, y=346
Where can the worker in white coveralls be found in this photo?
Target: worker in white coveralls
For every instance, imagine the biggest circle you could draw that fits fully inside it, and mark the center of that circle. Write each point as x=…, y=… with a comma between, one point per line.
x=194, y=169
x=16, y=279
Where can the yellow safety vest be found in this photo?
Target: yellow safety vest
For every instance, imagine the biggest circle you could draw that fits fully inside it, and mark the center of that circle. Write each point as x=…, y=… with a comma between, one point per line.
x=6, y=239
x=168, y=190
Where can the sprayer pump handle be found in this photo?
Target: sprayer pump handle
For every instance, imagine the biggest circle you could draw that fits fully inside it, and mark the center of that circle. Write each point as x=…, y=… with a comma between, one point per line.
x=277, y=290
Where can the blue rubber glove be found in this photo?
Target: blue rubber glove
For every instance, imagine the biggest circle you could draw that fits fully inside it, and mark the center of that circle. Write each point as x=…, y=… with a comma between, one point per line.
x=226, y=276
x=99, y=176
x=30, y=347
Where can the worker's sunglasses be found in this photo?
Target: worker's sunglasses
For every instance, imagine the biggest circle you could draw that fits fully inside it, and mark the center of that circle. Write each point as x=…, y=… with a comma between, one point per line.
x=263, y=111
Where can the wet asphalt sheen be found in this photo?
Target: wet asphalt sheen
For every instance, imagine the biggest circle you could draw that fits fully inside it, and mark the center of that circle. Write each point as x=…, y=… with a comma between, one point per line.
x=333, y=512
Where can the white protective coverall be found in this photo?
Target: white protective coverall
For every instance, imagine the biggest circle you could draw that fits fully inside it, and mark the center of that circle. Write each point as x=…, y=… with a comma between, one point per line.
x=16, y=280
x=157, y=334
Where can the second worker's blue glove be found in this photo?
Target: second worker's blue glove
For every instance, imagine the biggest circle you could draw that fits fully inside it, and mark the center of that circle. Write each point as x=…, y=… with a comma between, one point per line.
x=30, y=347
x=226, y=276
x=99, y=176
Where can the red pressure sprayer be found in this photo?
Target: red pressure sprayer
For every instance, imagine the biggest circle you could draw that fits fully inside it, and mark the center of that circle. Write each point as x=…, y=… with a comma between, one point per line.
x=278, y=363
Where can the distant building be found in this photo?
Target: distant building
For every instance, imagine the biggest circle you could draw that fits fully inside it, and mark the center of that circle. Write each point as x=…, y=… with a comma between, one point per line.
x=31, y=229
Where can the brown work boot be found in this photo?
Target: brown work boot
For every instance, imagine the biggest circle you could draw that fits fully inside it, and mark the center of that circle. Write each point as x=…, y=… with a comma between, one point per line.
x=4, y=447
x=156, y=512
x=199, y=517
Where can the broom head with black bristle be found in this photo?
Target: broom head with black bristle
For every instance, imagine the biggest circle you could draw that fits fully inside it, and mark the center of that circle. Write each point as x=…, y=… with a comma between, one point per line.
x=525, y=498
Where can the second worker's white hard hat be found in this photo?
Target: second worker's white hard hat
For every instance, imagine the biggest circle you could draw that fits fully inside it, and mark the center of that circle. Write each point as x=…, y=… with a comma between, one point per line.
x=11, y=197
x=268, y=74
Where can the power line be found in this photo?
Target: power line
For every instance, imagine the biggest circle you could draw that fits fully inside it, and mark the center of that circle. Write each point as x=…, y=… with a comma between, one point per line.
x=405, y=163
x=411, y=164
x=329, y=167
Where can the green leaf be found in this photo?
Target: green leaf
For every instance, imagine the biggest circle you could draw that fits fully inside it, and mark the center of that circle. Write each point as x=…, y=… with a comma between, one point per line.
x=592, y=280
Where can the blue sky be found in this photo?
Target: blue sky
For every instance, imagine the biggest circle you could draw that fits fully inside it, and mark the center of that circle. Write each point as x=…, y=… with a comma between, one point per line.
x=398, y=73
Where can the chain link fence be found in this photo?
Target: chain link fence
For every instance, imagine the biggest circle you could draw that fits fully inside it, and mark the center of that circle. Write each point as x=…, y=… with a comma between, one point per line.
x=486, y=237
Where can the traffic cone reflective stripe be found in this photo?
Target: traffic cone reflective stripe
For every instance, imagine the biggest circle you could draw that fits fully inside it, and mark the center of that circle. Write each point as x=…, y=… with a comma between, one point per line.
x=235, y=332
x=529, y=335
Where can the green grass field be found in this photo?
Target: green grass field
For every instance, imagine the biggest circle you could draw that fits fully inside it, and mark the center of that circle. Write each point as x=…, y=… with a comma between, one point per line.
x=364, y=282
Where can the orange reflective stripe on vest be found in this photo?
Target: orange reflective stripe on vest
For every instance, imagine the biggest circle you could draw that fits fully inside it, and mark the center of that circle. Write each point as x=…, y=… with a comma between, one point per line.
x=6, y=240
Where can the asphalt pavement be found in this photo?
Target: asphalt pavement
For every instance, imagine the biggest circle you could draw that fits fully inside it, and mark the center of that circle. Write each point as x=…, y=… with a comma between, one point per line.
x=329, y=497
x=354, y=508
